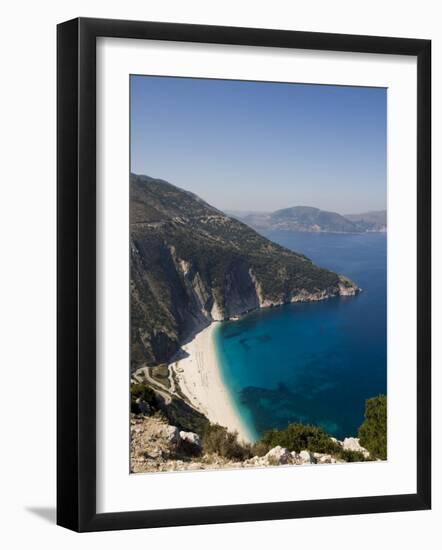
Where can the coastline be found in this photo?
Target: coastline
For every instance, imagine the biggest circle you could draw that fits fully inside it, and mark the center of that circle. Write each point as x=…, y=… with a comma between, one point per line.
x=199, y=378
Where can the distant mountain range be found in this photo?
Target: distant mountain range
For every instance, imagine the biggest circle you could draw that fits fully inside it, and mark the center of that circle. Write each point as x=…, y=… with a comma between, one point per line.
x=370, y=221
x=309, y=219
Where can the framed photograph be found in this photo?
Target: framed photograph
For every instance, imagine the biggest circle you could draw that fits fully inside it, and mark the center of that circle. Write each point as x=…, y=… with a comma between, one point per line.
x=243, y=274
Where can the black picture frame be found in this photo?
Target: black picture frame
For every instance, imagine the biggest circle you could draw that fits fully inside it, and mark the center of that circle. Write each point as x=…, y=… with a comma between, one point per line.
x=76, y=274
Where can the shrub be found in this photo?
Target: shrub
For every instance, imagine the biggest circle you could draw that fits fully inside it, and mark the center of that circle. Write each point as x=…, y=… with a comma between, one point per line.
x=350, y=456
x=184, y=417
x=373, y=431
x=144, y=393
x=298, y=437
x=218, y=440
x=260, y=449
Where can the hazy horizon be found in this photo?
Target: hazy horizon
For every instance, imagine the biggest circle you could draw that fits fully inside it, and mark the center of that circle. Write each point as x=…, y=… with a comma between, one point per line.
x=250, y=211
x=258, y=146
x=304, y=205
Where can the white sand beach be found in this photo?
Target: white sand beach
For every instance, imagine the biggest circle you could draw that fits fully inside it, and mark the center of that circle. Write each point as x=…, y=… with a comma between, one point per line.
x=199, y=378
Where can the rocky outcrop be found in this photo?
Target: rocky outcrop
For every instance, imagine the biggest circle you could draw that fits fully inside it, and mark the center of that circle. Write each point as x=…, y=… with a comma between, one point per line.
x=278, y=455
x=306, y=457
x=155, y=442
x=158, y=446
x=347, y=287
x=352, y=444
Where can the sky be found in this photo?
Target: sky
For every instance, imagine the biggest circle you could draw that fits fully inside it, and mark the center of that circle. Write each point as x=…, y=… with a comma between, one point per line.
x=261, y=146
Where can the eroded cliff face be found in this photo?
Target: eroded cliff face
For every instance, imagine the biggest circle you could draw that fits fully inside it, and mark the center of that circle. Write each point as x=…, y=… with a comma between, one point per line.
x=191, y=265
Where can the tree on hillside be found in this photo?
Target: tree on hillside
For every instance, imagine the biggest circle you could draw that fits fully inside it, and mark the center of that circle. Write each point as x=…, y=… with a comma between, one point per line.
x=373, y=431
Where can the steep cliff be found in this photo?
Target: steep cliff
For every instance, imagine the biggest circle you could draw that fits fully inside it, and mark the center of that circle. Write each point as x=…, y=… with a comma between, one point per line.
x=191, y=264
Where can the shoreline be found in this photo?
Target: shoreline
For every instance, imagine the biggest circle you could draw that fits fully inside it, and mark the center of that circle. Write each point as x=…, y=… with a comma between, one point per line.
x=199, y=378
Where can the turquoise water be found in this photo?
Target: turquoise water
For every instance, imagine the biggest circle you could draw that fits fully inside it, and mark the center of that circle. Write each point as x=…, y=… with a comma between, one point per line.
x=314, y=362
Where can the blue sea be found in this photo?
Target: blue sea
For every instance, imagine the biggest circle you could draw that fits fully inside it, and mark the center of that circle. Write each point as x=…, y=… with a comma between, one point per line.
x=314, y=362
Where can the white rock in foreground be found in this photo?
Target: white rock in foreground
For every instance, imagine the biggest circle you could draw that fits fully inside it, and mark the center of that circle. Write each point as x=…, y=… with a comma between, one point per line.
x=352, y=444
x=306, y=457
x=191, y=437
x=171, y=434
x=278, y=455
x=322, y=458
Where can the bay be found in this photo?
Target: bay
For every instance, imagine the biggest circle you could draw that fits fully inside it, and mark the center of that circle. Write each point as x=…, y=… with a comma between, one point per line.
x=317, y=362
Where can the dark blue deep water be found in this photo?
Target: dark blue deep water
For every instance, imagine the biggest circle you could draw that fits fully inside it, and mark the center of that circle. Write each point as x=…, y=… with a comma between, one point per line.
x=315, y=362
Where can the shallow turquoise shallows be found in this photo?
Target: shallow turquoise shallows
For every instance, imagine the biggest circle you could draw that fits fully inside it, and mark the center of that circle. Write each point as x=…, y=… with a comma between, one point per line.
x=315, y=362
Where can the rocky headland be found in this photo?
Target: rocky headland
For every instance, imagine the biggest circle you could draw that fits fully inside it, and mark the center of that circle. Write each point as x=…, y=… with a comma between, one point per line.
x=191, y=264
